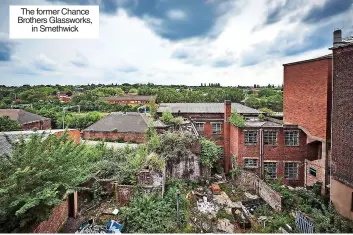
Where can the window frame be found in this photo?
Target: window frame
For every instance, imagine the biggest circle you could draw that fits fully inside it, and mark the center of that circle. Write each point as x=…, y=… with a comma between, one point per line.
x=285, y=138
x=203, y=127
x=275, y=137
x=276, y=171
x=217, y=132
x=251, y=166
x=247, y=138
x=286, y=174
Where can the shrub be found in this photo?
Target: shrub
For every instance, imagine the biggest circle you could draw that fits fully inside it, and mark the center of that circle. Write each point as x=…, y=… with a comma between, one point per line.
x=167, y=117
x=236, y=119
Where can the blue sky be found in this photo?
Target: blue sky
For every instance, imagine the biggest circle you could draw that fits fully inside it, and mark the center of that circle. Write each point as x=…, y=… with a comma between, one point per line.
x=178, y=42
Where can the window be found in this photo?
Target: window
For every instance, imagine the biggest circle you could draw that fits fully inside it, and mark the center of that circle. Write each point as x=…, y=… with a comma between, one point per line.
x=216, y=128
x=312, y=171
x=250, y=163
x=270, y=137
x=250, y=137
x=292, y=138
x=199, y=127
x=271, y=169
x=291, y=170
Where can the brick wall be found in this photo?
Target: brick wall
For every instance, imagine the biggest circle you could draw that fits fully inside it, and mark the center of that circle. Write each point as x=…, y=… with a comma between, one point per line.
x=342, y=115
x=134, y=137
x=55, y=221
x=278, y=153
x=306, y=90
x=74, y=134
x=39, y=125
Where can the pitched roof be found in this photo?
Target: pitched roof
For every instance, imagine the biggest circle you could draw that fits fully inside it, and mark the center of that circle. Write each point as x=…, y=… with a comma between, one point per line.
x=21, y=116
x=204, y=108
x=130, y=97
x=121, y=122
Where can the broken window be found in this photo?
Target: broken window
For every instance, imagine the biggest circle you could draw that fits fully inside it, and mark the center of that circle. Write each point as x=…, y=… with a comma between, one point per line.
x=291, y=170
x=250, y=137
x=271, y=169
x=292, y=138
x=250, y=163
x=216, y=128
x=270, y=137
x=199, y=127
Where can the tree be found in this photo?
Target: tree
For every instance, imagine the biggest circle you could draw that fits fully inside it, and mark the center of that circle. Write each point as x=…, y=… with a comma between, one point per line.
x=133, y=91
x=153, y=107
x=167, y=117
x=36, y=177
x=6, y=124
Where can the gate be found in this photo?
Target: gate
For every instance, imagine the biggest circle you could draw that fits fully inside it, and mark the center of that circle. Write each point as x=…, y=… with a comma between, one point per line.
x=303, y=223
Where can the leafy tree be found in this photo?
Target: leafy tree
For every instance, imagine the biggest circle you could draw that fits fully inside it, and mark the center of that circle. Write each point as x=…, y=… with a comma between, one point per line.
x=167, y=117
x=266, y=110
x=153, y=107
x=133, y=91
x=236, y=119
x=209, y=153
x=6, y=124
x=37, y=176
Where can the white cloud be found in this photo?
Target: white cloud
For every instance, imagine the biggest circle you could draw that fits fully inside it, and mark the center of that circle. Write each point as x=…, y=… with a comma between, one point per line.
x=176, y=14
x=128, y=50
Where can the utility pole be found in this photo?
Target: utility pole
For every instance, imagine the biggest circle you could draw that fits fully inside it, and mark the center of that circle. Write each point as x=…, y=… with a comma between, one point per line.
x=66, y=108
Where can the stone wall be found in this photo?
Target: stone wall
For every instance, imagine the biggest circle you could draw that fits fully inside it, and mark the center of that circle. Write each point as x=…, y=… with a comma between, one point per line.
x=251, y=181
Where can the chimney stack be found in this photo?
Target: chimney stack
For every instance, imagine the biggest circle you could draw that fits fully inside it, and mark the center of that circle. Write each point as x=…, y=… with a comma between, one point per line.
x=337, y=37
x=226, y=133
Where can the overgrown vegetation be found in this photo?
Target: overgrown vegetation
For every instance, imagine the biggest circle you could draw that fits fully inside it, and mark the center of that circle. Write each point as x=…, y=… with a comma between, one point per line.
x=37, y=176
x=236, y=119
x=210, y=153
x=6, y=124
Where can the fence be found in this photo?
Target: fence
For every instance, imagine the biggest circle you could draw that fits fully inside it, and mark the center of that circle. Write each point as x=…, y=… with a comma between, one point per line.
x=303, y=223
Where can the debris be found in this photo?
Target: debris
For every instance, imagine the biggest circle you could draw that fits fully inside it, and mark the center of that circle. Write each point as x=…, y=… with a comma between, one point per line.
x=218, y=177
x=89, y=227
x=251, y=196
x=114, y=227
x=282, y=230
x=205, y=206
x=115, y=211
x=216, y=189
x=223, y=199
x=224, y=225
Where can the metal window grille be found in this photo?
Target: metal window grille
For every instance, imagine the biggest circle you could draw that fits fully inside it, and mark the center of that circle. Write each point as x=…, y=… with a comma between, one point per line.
x=271, y=169
x=291, y=170
x=250, y=163
x=250, y=137
x=216, y=128
x=270, y=137
x=199, y=127
x=292, y=138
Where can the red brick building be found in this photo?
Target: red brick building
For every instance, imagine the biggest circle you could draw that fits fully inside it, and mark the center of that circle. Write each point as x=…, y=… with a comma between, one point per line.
x=27, y=120
x=130, y=99
x=119, y=126
x=341, y=187
x=307, y=103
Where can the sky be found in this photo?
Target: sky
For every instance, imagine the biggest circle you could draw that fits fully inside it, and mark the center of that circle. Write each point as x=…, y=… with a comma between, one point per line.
x=231, y=42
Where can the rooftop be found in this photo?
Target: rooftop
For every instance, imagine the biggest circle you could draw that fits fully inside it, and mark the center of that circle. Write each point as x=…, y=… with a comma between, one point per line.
x=130, y=97
x=130, y=122
x=329, y=56
x=6, y=138
x=344, y=43
x=204, y=108
x=21, y=116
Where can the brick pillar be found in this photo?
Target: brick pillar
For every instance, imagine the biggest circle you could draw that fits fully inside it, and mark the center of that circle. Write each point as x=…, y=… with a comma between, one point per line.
x=226, y=132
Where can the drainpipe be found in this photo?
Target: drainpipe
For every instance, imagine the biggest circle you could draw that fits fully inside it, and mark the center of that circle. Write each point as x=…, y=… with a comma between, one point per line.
x=305, y=173
x=261, y=153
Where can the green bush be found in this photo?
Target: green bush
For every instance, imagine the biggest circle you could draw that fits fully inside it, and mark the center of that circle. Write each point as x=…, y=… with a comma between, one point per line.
x=236, y=119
